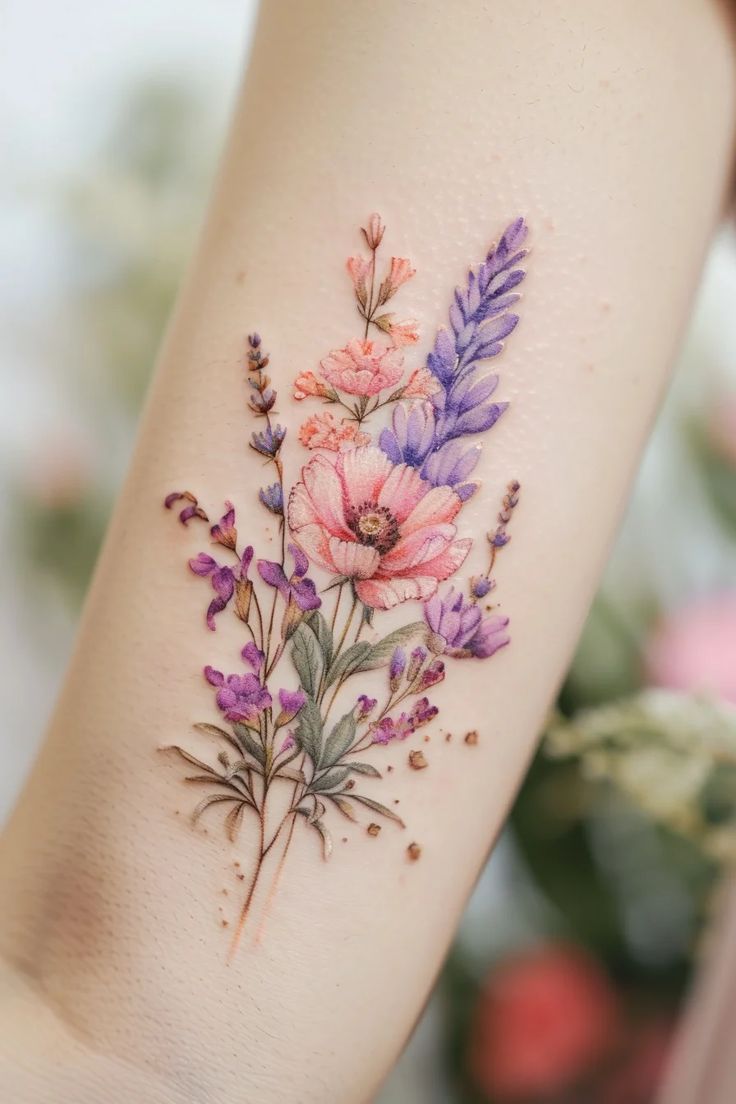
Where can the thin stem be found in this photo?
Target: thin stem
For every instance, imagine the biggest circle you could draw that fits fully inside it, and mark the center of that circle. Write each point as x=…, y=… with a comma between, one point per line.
x=244, y=912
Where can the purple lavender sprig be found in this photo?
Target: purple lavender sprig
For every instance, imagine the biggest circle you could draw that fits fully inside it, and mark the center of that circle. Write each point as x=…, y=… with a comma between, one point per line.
x=427, y=435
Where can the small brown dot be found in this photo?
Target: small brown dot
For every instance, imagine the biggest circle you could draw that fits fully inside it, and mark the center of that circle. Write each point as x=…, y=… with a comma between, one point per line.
x=417, y=760
x=344, y=839
x=389, y=768
x=427, y=738
x=224, y=922
x=413, y=852
x=224, y=892
x=373, y=829
x=396, y=801
x=176, y=812
x=236, y=863
x=471, y=738
x=241, y=877
x=350, y=785
x=448, y=737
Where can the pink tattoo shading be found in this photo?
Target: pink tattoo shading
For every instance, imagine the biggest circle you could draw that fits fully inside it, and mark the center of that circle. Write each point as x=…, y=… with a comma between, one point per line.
x=374, y=518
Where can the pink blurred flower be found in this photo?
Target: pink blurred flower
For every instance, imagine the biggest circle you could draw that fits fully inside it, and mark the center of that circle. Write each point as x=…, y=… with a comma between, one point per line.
x=544, y=1020
x=380, y=524
x=695, y=648
x=306, y=385
x=362, y=368
x=324, y=431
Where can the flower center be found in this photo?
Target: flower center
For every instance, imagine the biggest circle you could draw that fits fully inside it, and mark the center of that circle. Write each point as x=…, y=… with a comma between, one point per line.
x=374, y=525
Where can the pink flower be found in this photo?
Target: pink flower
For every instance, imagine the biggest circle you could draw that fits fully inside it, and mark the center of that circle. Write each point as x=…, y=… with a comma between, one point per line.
x=307, y=385
x=324, y=431
x=403, y=333
x=362, y=368
x=374, y=231
x=400, y=271
x=420, y=385
x=544, y=1020
x=695, y=649
x=359, y=270
x=380, y=524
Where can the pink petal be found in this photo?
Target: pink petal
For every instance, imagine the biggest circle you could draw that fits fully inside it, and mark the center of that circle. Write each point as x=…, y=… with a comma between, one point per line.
x=358, y=561
x=412, y=552
x=387, y=593
x=402, y=491
x=364, y=471
x=448, y=562
x=440, y=504
x=314, y=540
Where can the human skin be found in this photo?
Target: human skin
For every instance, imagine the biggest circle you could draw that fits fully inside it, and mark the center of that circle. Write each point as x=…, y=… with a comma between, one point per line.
x=588, y=120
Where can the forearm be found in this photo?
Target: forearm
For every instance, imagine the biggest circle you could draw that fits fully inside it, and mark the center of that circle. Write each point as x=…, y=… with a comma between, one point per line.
x=451, y=122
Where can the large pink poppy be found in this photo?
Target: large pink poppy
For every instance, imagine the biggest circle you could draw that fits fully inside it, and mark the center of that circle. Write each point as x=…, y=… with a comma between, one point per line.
x=378, y=523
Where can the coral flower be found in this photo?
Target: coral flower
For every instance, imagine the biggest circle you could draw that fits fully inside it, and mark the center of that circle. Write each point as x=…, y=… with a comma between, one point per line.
x=363, y=368
x=377, y=523
x=324, y=431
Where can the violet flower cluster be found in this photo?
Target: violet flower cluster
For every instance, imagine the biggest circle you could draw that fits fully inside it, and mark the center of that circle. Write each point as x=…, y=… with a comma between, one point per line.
x=428, y=435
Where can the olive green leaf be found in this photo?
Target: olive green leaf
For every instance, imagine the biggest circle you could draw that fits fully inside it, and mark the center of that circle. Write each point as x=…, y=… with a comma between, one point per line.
x=339, y=740
x=249, y=744
x=348, y=661
x=308, y=733
x=323, y=633
x=380, y=653
x=330, y=780
x=377, y=808
x=306, y=655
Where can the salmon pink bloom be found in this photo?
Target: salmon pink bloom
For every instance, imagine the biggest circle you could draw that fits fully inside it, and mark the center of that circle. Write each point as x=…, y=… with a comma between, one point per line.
x=324, y=431
x=306, y=385
x=362, y=368
x=359, y=270
x=403, y=333
x=400, y=271
x=377, y=523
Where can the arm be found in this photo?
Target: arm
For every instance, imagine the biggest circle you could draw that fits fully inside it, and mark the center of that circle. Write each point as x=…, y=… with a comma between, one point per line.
x=164, y=952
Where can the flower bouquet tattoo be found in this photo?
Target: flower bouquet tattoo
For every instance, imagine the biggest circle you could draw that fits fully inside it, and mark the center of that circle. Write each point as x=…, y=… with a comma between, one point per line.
x=373, y=517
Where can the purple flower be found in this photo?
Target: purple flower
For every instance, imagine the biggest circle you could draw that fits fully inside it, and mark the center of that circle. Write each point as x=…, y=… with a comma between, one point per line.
x=268, y=441
x=242, y=698
x=364, y=706
x=225, y=582
x=224, y=532
x=459, y=628
x=480, y=586
x=388, y=729
x=426, y=435
x=291, y=702
x=296, y=588
x=263, y=397
x=192, y=510
x=416, y=659
x=396, y=668
x=432, y=674
x=273, y=498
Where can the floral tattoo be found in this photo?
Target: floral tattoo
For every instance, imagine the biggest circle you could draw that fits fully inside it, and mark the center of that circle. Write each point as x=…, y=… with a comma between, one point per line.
x=373, y=517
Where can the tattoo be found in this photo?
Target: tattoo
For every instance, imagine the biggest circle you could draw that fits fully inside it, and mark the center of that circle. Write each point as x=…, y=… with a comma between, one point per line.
x=375, y=512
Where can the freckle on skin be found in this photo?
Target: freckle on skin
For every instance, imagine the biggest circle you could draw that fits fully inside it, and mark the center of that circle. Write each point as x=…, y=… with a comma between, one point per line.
x=413, y=852
x=417, y=760
x=373, y=829
x=471, y=738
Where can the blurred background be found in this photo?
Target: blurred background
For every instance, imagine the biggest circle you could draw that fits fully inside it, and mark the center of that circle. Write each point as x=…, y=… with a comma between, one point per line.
x=564, y=983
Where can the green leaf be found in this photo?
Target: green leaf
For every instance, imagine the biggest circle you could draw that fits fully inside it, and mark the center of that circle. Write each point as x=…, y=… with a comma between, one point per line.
x=347, y=662
x=306, y=656
x=308, y=732
x=249, y=744
x=339, y=740
x=330, y=780
x=323, y=632
x=377, y=807
x=216, y=731
x=365, y=768
x=380, y=653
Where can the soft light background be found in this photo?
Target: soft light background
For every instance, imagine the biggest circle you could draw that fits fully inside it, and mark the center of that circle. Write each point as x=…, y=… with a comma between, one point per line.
x=591, y=910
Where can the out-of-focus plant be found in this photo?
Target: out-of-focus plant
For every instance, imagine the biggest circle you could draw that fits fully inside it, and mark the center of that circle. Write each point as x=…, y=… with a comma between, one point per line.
x=672, y=755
